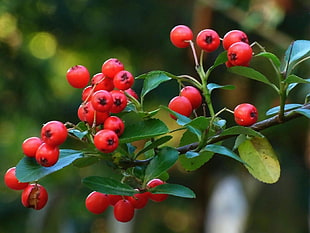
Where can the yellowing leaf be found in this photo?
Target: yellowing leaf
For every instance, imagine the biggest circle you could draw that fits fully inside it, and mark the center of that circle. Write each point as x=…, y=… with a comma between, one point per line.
x=260, y=159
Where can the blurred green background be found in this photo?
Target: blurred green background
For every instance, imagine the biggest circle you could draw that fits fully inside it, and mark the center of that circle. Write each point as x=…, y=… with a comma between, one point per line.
x=40, y=40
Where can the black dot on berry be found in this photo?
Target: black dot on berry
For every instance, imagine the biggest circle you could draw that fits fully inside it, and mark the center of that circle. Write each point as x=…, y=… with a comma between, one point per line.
x=208, y=39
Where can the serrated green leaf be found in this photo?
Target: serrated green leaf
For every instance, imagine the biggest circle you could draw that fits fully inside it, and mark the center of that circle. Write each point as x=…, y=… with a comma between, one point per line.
x=152, y=80
x=260, y=158
x=218, y=149
x=192, y=164
x=108, y=186
x=276, y=61
x=303, y=111
x=155, y=144
x=165, y=159
x=252, y=74
x=235, y=130
x=77, y=133
x=287, y=107
x=213, y=86
x=174, y=190
x=143, y=130
x=28, y=170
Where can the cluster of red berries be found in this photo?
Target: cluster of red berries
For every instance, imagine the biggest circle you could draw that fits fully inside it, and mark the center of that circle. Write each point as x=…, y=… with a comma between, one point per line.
x=33, y=196
x=123, y=206
x=239, y=52
x=103, y=94
x=188, y=100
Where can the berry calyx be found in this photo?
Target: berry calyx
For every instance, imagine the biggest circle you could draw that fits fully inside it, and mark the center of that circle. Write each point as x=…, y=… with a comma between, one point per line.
x=193, y=95
x=102, y=101
x=111, y=67
x=245, y=114
x=34, y=196
x=181, y=105
x=234, y=36
x=97, y=202
x=106, y=140
x=54, y=133
x=208, y=40
x=180, y=36
x=239, y=54
x=78, y=76
x=11, y=180
x=124, y=211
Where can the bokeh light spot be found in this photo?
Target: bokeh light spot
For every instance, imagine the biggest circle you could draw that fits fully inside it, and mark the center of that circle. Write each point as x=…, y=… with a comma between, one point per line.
x=43, y=45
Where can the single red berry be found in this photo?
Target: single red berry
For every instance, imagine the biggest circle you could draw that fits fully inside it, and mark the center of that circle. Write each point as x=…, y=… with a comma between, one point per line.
x=139, y=200
x=119, y=101
x=114, y=123
x=180, y=36
x=97, y=202
x=111, y=67
x=11, y=180
x=234, y=36
x=245, y=114
x=54, y=133
x=113, y=199
x=47, y=155
x=101, y=82
x=78, y=76
x=123, y=80
x=106, y=140
x=208, y=40
x=193, y=95
x=102, y=101
x=239, y=54
x=86, y=113
x=181, y=105
x=156, y=197
x=34, y=196
x=30, y=146
x=124, y=211
x=87, y=93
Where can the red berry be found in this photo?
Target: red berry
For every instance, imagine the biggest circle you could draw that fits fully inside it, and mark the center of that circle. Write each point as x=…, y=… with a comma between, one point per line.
x=78, y=76
x=113, y=199
x=234, y=36
x=106, y=141
x=131, y=92
x=156, y=197
x=193, y=95
x=34, y=196
x=208, y=40
x=54, y=133
x=139, y=200
x=102, y=101
x=180, y=36
x=119, y=101
x=239, y=54
x=87, y=93
x=30, y=146
x=102, y=83
x=11, y=180
x=47, y=155
x=123, y=80
x=87, y=114
x=97, y=202
x=124, y=211
x=245, y=114
x=114, y=123
x=111, y=67
x=181, y=105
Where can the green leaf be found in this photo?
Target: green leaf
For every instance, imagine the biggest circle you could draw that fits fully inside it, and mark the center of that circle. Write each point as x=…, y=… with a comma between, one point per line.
x=252, y=74
x=188, y=137
x=198, y=125
x=276, y=61
x=108, y=186
x=152, y=80
x=213, y=86
x=296, y=51
x=223, y=151
x=287, y=107
x=165, y=159
x=292, y=78
x=143, y=130
x=181, y=120
x=174, y=190
x=85, y=161
x=303, y=111
x=79, y=134
x=195, y=162
x=155, y=144
x=260, y=158
x=28, y=169
x=221, y=59
x=235, y=130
